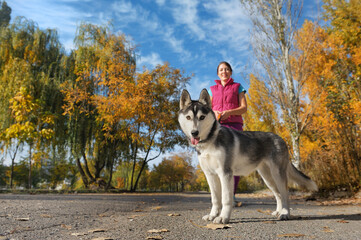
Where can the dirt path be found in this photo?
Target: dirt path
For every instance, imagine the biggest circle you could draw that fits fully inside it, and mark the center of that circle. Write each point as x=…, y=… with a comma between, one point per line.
x=174, y=216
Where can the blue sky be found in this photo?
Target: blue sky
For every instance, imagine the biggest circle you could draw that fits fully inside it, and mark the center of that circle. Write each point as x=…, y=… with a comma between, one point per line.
x=192, y=35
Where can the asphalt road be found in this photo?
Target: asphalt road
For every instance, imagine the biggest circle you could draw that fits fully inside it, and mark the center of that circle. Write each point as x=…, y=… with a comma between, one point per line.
x=170, y=216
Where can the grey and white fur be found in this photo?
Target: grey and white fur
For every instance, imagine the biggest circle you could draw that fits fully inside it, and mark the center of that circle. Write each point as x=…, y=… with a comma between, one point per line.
x=224, y=152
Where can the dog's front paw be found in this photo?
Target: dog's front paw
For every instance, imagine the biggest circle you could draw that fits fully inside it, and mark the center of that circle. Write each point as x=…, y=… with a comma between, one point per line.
x=208, y=217
x=221, y=220
x=284, y=214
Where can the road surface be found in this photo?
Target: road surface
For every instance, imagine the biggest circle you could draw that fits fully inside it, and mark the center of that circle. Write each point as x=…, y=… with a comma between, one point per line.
x=170, y=216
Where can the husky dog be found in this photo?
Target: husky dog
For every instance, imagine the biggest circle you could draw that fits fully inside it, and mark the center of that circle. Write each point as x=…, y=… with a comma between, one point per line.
x=224, y=152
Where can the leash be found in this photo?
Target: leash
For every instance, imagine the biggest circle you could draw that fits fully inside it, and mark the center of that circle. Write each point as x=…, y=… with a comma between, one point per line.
x=219, y=118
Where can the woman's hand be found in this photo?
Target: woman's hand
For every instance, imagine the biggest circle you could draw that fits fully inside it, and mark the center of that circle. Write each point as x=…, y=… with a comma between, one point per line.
x=218, y=114
x=225, y=115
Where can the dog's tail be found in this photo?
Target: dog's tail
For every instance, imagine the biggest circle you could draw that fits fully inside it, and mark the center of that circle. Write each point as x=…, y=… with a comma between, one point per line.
x=300, y=179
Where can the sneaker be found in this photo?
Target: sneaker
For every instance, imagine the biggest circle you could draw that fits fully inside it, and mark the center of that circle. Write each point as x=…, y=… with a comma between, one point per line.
x=235, y=202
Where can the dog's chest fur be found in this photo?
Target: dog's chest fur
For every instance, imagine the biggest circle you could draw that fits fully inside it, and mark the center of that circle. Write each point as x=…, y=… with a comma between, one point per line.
x=211, y=159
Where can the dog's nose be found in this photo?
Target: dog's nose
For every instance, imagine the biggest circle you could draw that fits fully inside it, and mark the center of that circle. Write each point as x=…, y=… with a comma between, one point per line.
x=195, y=133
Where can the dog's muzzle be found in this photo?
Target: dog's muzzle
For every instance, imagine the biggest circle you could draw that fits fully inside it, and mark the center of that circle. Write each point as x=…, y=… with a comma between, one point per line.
x=195, y=139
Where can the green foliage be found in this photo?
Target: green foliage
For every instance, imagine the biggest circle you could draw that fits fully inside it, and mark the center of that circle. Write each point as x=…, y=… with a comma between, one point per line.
x=5, y=14
x=3, y=177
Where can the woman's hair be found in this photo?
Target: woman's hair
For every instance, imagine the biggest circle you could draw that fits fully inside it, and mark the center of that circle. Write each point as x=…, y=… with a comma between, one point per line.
x=227, y=64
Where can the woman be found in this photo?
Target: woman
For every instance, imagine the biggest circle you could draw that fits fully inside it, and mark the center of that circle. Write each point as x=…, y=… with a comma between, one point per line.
x=228, y=102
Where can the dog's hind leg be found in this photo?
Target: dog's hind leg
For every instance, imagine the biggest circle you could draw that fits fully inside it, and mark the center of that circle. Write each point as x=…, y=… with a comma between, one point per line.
x=280, y=178
x=278, y=186
x=215, y=187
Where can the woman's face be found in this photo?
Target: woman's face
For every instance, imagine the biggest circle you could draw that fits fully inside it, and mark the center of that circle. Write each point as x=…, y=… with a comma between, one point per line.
x=224, y=72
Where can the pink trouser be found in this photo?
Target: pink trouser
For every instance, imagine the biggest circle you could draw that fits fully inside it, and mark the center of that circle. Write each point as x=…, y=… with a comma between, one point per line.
x=238, y=127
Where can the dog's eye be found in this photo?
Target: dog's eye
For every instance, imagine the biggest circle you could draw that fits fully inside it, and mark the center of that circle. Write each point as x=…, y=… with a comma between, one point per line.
x=188, y=118
x=202, y=117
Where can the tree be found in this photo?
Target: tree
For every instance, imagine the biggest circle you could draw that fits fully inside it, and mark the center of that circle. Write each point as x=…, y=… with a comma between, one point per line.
x=5, y=14
x=173, y=174
x=261, y=114
x=156, y=113
x=334, y=91
x=30, y=126
x=114, y=109
x=275, y=26
x=102, y=59
x=30, y=60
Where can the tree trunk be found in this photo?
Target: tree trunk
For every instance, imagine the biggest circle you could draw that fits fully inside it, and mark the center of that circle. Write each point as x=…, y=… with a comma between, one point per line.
x=275, y=23
x=90, y=176
x=82, y=173
x=134, y=188
x=30, y=164
x=12, y=166
x=296, y=158
x=135, y=151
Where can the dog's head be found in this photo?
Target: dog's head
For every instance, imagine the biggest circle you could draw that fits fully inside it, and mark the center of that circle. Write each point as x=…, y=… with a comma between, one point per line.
x=196, y=118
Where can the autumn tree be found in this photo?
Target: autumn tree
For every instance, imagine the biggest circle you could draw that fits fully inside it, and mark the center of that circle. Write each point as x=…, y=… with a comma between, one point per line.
x=275, y=24
x=116, y=111
x=333, y=141
x=261, y=114
x=100, y=57
x=29, y=60
x=173, y=173
x=31, y=126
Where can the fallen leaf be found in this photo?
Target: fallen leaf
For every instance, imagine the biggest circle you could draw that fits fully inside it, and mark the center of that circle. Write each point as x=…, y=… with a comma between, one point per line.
x=238, y=204
x=268, y=212
x=16, y=230
x=158, y=230
x=155, y=237
x=97, y=230
x=196, y=224
x=174, y=215
x=66, y=226
x=291, y=235
x=327, y=229
x=156, y=208
x=342, y=221
x=215, y=226
x=79, y=234
x=46, y=216
x=138, y=210
x=22, y=219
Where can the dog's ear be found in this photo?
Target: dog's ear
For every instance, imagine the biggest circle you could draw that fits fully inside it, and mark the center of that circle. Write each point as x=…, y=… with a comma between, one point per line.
x=185, y=99
x=205, y=99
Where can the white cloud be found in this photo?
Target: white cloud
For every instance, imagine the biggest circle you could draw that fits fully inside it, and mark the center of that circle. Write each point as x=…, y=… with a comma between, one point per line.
x=185, y=12
x=150, y=24
x=54, y=15
x=125, y=11
x=150, y=61
x=160, y=2
x=197, y=85
x=230, y=24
